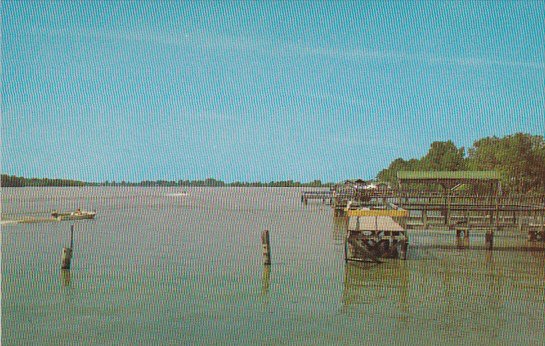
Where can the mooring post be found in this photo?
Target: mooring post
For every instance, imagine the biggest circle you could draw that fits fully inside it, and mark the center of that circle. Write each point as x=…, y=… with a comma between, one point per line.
x=497, y=213
x=542, y=226
x=404, y=245
x=489, y=239
x=67, y=252
x=425, y=217
x=265, y=241
x=448, y=216
x=71, y=236
x=346, y=247
x=357, y=223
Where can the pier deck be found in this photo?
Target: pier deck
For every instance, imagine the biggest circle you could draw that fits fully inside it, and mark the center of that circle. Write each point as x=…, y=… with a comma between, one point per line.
x=370, y=223
x=319, y=195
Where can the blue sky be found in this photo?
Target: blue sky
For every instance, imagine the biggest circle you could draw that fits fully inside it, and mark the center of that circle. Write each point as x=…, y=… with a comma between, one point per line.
x=262, y=90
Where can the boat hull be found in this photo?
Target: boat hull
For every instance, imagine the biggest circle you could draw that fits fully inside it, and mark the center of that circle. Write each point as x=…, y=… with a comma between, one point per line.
x=73, y=216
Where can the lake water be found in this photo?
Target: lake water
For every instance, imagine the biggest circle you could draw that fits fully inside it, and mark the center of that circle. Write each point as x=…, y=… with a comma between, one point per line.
x=158, y=268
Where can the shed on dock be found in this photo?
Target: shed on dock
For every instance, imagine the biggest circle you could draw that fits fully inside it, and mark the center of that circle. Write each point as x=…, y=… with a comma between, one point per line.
x=372, y=234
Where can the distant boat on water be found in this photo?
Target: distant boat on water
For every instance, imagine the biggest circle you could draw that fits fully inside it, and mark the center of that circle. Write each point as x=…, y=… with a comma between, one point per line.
x=177, y=194
x=75, y=215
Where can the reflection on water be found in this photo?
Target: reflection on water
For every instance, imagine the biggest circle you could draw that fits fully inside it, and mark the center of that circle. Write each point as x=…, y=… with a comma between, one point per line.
x=188, y=271
x=384, y=284
x=266, y=280
x=65, y=277
x=462, y=242
x=455, y=295
x=339, y=230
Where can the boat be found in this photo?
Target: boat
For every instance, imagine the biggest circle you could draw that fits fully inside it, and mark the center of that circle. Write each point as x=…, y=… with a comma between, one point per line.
x=177, y=194
x=75, y=215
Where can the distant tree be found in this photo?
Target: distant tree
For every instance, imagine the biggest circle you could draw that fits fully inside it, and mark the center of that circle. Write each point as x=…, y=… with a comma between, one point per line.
x=389, y=174
x=520, y=156
x=444, y=156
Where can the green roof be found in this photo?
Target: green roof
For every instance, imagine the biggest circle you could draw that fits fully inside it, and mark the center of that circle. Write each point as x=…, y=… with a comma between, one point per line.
x=454, y=175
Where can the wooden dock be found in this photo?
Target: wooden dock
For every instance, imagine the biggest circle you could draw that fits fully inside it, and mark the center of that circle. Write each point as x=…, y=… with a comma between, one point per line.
x=378, y=219
x=324, y=196
x=460, y=214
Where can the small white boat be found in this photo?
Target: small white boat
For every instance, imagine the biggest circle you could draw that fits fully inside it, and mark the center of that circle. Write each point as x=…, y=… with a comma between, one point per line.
x=177, y=194
x=75, y=215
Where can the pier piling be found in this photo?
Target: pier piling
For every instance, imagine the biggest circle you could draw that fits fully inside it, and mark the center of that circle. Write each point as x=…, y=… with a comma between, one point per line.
x=265, y=241
x=489, y=239
x=67, y=251
x=404, y=245
x=425, y=218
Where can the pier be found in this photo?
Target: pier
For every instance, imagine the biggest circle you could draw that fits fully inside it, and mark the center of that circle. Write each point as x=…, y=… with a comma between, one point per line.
x=426, y=207
x=324, y=196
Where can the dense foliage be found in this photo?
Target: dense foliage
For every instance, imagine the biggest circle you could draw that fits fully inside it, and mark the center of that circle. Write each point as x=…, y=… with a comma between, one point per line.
x=519, y=157
x=13, y=181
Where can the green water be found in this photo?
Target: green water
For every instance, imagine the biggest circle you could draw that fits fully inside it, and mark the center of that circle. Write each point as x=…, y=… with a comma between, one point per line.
x=160, y=269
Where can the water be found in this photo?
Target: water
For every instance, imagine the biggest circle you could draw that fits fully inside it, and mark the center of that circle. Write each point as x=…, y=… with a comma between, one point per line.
x=156, y=267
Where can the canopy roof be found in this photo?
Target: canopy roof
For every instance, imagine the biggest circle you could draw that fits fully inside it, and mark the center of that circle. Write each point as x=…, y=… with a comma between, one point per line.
x=448, y=175
x=450, y=179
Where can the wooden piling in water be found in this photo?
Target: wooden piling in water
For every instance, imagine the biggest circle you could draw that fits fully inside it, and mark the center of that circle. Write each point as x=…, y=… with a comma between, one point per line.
x=448, y=210
x=67, y=251
x=489, y=239
x=66, y=258
x=425, y=218
x=404, y=245
x=265, y=241
x=542, y=225
x=459, y=232
x=71, y=236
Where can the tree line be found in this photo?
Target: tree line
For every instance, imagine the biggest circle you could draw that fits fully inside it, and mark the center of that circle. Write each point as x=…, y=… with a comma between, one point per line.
x=520, y=158
x=15, y=181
